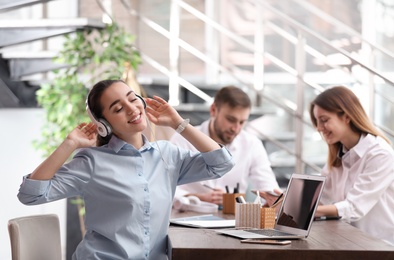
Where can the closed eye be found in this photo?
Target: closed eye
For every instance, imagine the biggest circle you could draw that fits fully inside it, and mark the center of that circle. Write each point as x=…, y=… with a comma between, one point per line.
x=132, y=100
x=121, y=107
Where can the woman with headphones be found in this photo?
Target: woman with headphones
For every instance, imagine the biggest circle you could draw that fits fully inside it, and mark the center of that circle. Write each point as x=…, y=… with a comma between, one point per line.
x=127, y=182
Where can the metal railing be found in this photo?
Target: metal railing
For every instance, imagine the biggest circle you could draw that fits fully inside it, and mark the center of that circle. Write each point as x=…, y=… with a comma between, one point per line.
x=338, y=24
x=297, y=36
x=302, y=49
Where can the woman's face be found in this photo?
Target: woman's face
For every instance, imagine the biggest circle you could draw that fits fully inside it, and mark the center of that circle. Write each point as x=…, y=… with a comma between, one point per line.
x=333, y=128
x=123, y=110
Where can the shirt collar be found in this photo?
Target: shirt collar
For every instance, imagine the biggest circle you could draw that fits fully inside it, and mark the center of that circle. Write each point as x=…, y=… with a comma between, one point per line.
x=360, y=148
x=363, y=144
x=117, y=144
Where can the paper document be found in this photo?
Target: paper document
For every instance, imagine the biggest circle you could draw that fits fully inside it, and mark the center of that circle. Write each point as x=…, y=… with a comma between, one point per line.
x=204, y=221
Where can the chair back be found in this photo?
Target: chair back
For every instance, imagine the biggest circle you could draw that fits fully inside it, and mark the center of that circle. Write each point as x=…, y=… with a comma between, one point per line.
x=35, y=237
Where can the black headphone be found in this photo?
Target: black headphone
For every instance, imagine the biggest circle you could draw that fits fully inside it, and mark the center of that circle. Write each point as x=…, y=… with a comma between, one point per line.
x=103, y=127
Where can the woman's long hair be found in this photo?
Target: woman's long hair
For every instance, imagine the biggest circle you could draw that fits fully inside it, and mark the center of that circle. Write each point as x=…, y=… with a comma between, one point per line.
x=95, y=106
x=343, y=102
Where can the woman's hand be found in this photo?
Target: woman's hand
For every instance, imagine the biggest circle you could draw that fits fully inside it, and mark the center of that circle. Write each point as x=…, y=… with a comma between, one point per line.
x=269, y=198
x=327, y=210
x=84, y=135
x=161, y=113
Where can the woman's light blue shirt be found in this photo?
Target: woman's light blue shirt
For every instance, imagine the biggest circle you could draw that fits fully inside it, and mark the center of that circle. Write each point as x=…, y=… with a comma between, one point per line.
x=128, y=194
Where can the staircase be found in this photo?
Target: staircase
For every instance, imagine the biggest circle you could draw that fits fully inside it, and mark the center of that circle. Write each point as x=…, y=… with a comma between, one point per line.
x=24, y=52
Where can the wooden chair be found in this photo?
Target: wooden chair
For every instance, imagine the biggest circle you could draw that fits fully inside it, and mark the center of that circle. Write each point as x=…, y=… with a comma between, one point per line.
x=35, y=237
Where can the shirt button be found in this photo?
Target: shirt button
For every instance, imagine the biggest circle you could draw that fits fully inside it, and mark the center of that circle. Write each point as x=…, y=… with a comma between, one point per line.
x=139, y=174
x=145, y=189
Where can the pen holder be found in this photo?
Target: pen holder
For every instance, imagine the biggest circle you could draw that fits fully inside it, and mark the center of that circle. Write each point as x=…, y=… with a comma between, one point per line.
x=267, y=217
x=254, y=216
x=247, y=215
x=229, y=202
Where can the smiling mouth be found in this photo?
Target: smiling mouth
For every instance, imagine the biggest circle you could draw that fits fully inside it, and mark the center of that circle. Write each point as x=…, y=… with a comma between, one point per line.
x=134, y=119
x=327, y=134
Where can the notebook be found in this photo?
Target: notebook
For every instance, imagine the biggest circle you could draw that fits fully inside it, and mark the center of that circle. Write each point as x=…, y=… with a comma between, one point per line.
x=296, y=214
x=204, y=221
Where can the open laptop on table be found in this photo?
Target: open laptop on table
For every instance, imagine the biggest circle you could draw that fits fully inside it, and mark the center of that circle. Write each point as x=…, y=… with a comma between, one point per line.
x=296, y=214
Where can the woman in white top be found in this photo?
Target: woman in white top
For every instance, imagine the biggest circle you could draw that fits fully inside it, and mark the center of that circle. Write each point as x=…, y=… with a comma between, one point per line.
x=360, y=165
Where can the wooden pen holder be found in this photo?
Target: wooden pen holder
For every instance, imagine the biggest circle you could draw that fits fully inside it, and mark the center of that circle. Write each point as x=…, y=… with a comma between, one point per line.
x=254, y=216
x=229, y=202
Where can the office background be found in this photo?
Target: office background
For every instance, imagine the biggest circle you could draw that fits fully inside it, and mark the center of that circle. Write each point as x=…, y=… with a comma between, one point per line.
x=18, y=129
x=21, y=125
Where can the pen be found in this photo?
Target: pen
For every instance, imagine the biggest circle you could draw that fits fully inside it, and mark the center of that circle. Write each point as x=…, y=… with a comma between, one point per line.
x=236, y=189
x=277, y=201
x=227, y=190
x=207, y=186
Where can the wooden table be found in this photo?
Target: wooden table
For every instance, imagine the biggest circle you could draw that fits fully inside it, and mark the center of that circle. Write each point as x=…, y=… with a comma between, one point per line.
x=332, y=239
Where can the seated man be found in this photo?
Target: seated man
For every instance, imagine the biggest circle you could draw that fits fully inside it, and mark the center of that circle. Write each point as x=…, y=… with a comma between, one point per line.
x=228, y=114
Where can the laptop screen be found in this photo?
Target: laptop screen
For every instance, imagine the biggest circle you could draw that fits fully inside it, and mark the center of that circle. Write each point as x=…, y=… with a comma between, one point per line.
x=300, y=202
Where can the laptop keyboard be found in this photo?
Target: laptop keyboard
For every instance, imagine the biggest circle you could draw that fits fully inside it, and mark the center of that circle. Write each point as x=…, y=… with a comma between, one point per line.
x=270, y=232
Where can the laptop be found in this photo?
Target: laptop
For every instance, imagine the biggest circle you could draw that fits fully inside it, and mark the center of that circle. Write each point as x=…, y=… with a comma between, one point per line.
x=296, y=214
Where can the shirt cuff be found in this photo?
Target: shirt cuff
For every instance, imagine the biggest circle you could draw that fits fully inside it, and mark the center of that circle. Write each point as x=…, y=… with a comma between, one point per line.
x=34, y=187
x=343, y=208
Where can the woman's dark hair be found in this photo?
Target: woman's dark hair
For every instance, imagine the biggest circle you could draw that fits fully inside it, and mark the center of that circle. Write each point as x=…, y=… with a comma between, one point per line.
x=95, y=106
x=343, y=102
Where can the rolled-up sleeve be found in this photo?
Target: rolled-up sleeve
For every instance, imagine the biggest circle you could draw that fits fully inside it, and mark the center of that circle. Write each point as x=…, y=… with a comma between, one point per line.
x=68, y=181
x=31, y=190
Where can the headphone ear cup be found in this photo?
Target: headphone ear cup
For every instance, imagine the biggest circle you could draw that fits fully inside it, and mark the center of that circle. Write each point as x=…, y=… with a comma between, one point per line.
x=180, y=202
x=193, y=200
x=103, y=127
x=142, y=99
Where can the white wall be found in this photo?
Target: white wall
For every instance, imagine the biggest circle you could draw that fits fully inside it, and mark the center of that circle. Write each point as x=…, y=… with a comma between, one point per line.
x=18, y=128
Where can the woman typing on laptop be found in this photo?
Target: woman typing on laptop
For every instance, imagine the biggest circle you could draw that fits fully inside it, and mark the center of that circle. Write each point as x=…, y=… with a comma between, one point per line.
x=359, y=170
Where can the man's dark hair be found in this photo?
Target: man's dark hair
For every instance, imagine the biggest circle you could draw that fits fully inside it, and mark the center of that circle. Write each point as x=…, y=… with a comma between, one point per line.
x=232, y=96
